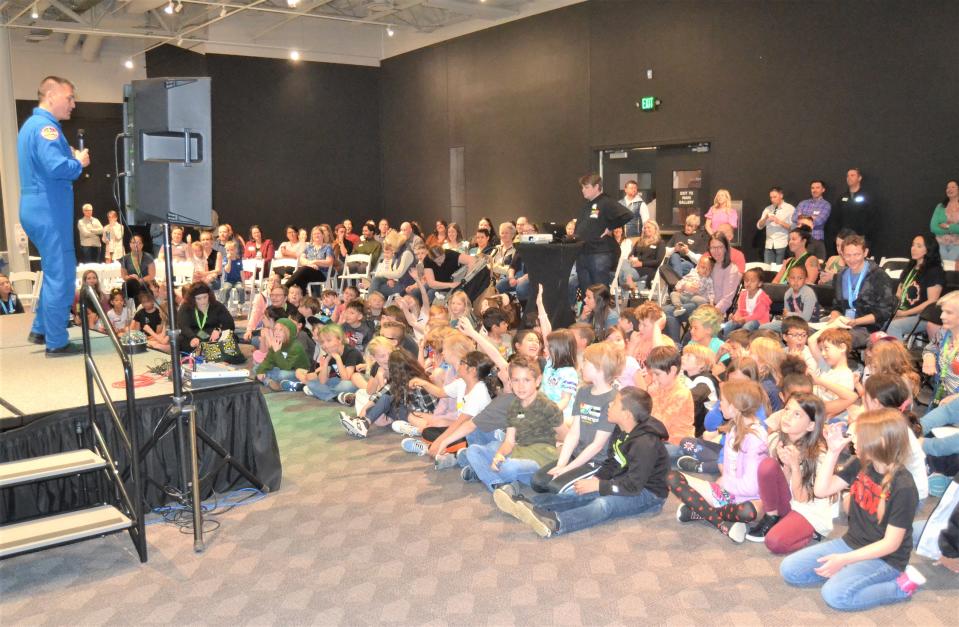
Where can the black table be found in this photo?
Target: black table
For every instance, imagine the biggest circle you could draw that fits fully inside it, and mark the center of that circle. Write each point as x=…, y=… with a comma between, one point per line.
x=550, y=265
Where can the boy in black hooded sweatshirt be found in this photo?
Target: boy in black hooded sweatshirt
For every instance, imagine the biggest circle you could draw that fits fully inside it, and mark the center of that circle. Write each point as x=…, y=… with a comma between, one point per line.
x=630, y=482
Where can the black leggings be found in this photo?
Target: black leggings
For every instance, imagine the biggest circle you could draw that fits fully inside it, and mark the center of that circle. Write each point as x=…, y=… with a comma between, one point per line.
x=305, y=275
x=544, y=482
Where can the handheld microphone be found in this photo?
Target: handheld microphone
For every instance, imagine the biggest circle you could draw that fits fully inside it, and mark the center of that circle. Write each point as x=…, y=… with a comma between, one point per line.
x=80, y=139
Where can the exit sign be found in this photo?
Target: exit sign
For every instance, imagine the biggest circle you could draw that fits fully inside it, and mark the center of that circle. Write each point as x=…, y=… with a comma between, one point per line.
x=649, y=103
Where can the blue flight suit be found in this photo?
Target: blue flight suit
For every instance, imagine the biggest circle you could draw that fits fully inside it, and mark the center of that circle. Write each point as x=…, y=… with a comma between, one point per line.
x=47, y=171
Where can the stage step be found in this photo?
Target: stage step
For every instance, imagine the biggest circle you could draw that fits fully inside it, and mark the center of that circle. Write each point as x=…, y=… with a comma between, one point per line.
x=60, y=529
x=49, y=466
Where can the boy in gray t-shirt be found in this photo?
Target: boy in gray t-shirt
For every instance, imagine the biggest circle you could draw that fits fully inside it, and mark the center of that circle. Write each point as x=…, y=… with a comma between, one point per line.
x=584, y=447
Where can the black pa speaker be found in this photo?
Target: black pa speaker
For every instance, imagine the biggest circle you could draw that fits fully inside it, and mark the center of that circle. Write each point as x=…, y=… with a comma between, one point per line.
x=168, y=151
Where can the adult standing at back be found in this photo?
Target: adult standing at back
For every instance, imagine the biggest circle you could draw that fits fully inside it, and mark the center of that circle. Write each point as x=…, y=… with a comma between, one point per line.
x=633, y=201
x=777, y=219
x=48, y=166
x=856, y=207
x=945, y=222
x=601, y=214
x=89, y=230
x=817, y=208
x=721, y=212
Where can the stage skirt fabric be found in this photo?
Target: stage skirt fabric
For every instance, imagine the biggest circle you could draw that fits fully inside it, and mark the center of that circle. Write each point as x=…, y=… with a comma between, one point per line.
x=236, y=417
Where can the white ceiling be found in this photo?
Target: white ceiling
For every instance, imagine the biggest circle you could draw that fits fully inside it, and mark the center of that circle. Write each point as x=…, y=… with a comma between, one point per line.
x=344, y=31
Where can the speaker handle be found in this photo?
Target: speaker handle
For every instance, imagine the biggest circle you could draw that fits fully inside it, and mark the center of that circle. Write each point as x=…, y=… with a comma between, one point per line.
x=186, y=148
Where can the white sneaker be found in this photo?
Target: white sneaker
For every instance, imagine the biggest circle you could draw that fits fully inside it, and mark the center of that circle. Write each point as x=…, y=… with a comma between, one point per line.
x=679, y=311
x=404, y=428
x=306, y=390
x=354, y=425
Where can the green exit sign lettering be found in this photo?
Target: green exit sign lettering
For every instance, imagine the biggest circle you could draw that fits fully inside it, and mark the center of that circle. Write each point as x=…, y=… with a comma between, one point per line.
x=649, y=103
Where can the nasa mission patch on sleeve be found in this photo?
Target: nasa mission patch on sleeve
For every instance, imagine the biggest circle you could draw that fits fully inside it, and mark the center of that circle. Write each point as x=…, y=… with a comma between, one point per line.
x=49, y=133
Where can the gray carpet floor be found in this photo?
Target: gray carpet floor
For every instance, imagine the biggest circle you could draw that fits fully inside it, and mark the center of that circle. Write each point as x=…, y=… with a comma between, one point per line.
x=362, y=533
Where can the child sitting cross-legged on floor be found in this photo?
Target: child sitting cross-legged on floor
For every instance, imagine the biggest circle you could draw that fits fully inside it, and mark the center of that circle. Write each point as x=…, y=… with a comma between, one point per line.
x=473, y=389
x=531, y=425
x=792, y=515
x=584, y=447
x=867, y=567
x=334, y=366
x=631, y=480
x=370, y=385
x=284, y=357
x=727, y=504
x=672, y=400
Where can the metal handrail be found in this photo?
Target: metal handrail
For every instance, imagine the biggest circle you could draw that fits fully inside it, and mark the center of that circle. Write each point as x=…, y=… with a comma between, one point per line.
x=88, y=298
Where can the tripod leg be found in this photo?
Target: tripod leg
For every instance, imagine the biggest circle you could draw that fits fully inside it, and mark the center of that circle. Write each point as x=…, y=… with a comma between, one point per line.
x=195, y=483
x=225, y=454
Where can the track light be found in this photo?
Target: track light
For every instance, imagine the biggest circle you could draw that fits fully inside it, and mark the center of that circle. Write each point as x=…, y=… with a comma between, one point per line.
x=179, y=6
x=34, y=12
x=389, y=31
x=128, y=64
x=168, y=9
x=295, y=55
x=223, y=11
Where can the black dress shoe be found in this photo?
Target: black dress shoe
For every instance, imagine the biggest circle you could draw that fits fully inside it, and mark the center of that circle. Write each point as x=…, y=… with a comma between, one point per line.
x=65, y=351
x=36, y=338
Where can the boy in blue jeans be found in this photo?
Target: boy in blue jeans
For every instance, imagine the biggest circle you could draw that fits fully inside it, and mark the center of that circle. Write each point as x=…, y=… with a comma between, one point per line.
x=530, y=442
x=630, y=482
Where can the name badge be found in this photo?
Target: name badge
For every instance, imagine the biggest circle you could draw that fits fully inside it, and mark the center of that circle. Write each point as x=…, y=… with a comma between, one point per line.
x=850, y=313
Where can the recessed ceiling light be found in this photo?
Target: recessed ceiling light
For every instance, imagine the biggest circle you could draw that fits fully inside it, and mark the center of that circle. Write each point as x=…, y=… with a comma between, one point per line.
x=128, y=64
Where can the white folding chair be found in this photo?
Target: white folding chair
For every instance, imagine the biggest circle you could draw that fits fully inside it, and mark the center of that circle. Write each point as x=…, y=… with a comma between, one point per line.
x=251, y=284
x=182, y=273
x=36, y=280
x=361, y=270
x=625, y=247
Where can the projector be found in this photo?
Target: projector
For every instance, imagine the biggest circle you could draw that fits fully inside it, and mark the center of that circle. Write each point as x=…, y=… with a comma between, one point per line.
x=536, y=238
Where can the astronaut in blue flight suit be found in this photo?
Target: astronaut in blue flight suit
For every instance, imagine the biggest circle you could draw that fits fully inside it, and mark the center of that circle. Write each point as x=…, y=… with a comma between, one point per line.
x=48, y=167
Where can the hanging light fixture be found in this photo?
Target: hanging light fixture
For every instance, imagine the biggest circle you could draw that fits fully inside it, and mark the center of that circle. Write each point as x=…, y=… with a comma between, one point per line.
x=294, y=55
x=35, y=12
x=389, y=31
x=128, y=64
x=168, y=9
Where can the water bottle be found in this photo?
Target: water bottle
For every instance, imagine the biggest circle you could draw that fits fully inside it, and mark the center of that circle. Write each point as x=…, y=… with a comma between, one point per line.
x=232, y=307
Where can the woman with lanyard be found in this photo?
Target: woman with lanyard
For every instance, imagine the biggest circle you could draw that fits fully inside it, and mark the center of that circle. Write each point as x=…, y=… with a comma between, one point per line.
x=9, y=303
x=940, y=358
x=922, y=283
x=136, y=268
x=864, y=297
x=798, y=240
x=201, y=318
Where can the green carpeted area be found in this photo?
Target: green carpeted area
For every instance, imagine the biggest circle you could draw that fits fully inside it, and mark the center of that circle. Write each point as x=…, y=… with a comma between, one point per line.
x=363, y=533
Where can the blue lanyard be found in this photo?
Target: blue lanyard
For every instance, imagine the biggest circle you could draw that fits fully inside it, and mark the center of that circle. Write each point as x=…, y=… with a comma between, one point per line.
x=12, y=302
x=852, y=296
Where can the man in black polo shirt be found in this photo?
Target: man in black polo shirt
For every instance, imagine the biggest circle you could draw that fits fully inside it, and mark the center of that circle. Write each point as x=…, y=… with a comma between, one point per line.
x=856, y=208
x=602, y=214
